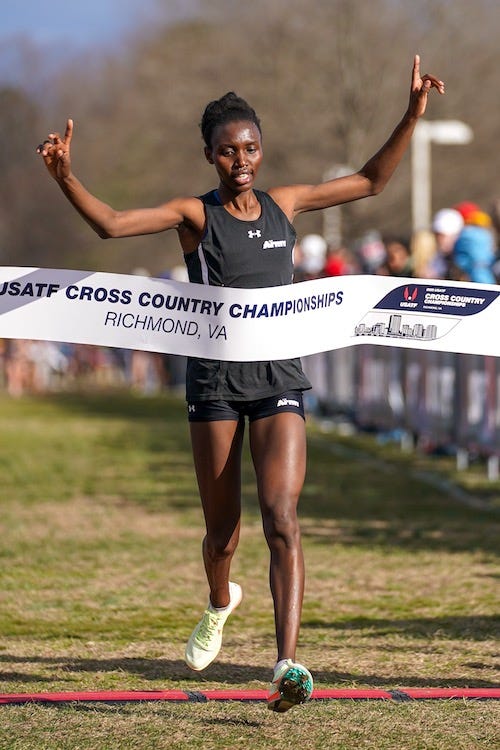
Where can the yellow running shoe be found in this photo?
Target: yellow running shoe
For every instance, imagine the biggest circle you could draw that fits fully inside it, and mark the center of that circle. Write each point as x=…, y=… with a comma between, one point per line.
x=206, y=639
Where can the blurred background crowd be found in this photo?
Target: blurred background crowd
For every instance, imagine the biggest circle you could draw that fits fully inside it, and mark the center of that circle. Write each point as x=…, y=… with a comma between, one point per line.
x=462, y=245
x=328, y=78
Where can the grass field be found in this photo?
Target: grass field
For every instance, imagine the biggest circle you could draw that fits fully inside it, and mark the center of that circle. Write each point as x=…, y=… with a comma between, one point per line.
x=101, y=582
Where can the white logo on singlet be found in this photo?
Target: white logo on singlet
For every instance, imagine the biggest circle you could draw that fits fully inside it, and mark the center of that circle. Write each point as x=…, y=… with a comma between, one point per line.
x=254, y=233
x=271, y=244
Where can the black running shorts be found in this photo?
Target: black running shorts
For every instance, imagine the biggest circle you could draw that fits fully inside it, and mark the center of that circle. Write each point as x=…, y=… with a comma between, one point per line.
x=213, y=411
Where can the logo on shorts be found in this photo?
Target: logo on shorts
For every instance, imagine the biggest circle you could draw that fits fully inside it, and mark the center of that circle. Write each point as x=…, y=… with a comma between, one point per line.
x=288, y=402
x=191, y=408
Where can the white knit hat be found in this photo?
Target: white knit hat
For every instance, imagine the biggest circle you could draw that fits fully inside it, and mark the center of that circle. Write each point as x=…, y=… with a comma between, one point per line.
x=448, y=221
x=314, y=249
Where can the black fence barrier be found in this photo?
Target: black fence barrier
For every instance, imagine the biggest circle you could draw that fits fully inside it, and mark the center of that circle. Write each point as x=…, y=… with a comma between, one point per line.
x=439, y=400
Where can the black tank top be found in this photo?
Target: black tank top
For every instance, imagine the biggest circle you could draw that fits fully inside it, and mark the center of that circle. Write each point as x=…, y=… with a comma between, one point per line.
x=249, y=255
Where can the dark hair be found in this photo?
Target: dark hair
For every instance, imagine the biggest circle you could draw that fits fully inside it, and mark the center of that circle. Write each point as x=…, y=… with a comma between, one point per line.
x=229, y=108
x=390, y=239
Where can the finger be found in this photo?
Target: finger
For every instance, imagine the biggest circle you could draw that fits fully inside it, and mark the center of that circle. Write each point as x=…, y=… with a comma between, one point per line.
x=42, y=148
x=416, y=71
x=437, y=84
x=68, y=134
x=433, y=82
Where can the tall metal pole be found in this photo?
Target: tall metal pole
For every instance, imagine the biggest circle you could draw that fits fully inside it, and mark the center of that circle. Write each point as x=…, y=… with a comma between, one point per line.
x=452, y=132
x=421, y=177
x=332, y=217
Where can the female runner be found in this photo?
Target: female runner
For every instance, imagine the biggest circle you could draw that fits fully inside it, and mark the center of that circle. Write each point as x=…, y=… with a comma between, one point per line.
x=224, y=237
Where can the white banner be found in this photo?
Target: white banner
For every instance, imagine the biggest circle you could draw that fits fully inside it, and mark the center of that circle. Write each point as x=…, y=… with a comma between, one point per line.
x=134, y=312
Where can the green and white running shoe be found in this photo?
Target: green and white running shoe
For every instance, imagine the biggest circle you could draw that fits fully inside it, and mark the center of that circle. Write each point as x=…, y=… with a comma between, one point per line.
x=206, y=639
x=292, y=684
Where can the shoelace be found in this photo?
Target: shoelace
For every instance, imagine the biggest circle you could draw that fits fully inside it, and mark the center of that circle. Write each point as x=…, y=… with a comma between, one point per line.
x=208, y=628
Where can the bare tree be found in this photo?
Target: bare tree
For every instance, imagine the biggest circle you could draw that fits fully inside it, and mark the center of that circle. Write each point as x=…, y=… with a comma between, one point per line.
x=329, y=78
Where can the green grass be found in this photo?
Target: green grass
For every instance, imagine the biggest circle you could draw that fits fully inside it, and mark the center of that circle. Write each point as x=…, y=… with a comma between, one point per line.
x=101, y=583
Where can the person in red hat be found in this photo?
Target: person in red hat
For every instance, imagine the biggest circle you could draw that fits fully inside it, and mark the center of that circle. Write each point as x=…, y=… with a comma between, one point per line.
x=466, y=209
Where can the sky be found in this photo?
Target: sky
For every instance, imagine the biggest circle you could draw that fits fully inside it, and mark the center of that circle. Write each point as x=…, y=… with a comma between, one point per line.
x=59, y=29
x=82, y=22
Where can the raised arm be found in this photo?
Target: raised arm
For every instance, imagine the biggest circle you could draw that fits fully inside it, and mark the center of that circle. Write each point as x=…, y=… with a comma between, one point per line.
x=105, y=220
x=376, y=173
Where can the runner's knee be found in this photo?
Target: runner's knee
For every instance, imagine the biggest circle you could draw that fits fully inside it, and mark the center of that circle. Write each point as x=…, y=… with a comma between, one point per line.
x=281, y=527
x=220, y=546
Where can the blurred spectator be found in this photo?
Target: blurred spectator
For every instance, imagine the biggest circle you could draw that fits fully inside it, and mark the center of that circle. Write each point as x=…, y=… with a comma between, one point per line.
x=4, y=344
x=398, y=260
x=466, y=209
x=92, y=365
x=48, y=365
x=423, y=248
x=17, y=367
x=371, y=251
x=474, y=251
x=446, y=225
x=310, y=257
x=339, y=262
x=495, y=218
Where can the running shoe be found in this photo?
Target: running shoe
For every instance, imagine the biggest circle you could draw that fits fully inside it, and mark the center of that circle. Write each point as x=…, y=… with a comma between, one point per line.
x=206, y=639
x=292, y=684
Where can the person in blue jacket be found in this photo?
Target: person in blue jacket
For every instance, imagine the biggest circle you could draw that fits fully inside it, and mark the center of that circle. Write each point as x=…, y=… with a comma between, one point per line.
x=474, y=251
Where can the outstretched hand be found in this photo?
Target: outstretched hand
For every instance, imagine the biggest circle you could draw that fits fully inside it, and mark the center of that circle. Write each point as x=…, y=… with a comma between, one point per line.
x=420, y=87
x=56, y=152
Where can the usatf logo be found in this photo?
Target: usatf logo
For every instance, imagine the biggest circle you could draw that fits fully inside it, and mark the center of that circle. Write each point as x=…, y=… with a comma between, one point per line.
x=271, y=244
x=410, y=296
x=254, y=233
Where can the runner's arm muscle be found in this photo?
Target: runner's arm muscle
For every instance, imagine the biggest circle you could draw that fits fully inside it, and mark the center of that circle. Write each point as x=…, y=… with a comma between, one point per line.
x=106, y=221
x=376, y=173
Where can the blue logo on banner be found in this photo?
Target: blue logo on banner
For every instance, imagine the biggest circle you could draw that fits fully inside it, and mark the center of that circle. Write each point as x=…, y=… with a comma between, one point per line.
x=445, y=300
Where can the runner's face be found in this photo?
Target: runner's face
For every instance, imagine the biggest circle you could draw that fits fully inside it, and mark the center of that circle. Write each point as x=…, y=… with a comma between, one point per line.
x=236, y=153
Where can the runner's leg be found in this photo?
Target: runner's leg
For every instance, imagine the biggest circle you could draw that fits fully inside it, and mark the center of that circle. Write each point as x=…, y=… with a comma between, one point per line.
x=217, y=450
x=278, y=446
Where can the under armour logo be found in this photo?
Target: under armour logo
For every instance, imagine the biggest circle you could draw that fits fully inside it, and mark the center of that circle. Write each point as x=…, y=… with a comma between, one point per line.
x=191, y=408
x=254, y=233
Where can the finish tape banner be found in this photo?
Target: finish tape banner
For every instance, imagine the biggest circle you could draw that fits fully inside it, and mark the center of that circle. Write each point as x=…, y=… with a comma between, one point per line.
x=161, y=315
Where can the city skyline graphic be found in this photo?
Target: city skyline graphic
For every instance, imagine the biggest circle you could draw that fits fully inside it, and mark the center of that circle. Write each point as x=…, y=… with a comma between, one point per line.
x=395, y=325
